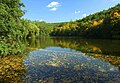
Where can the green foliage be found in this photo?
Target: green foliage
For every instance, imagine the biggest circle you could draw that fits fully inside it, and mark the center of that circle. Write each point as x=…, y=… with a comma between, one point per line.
x=104, y=24
x=13, y=28
x=10, y=46
x=10, y=14
x=45, y=28
x=64, y=29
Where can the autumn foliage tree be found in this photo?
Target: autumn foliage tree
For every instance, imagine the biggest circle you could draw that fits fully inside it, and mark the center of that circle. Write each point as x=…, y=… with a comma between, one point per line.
x=104, y=24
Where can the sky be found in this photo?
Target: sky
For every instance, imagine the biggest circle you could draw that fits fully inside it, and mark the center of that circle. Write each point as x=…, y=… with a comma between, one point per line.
x=64, y=10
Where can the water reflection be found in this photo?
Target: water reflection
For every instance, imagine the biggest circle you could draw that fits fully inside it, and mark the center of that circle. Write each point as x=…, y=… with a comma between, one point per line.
x=62, y=60
x=56, y=64
x=99, y=46
x=108, y=47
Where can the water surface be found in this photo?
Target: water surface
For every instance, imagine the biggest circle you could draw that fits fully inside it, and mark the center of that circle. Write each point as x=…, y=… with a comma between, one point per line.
x=64, y=60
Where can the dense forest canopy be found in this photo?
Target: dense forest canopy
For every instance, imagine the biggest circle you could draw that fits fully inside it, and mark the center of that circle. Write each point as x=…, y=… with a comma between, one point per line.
x=13, y=28
x=104, y=24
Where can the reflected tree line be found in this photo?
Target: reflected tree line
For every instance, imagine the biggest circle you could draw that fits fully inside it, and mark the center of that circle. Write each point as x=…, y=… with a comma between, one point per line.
x=108, y=47
x=13, y=66
x=106, y=50
x=98, y=46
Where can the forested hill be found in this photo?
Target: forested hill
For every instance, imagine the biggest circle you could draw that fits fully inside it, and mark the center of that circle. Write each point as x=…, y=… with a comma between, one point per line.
x=14, y=29
x=104, y=24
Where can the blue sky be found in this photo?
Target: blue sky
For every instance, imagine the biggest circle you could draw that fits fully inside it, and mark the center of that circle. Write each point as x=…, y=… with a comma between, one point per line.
x=64, y=10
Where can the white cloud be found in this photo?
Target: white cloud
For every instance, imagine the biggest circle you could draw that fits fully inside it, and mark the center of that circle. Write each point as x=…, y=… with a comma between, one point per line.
x=53, y=4
x=53, y=9
x=77, y=12
x=84, y=15
x=41, y=20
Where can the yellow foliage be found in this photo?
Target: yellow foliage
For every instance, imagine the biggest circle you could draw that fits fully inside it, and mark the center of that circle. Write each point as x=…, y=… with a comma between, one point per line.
x=86, y=29
x=117, y=14
x=96, y=49
x=96, y=23
x=101, y=21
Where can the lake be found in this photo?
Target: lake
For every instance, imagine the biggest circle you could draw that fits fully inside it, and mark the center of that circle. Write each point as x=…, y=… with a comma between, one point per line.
x=64, y=60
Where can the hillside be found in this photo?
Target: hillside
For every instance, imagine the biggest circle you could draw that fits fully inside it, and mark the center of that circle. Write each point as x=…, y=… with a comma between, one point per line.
x=104, y=24
x=14, y=29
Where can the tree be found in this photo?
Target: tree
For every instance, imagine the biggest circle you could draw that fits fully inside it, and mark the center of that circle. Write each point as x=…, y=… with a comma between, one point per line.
x=10, y=14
